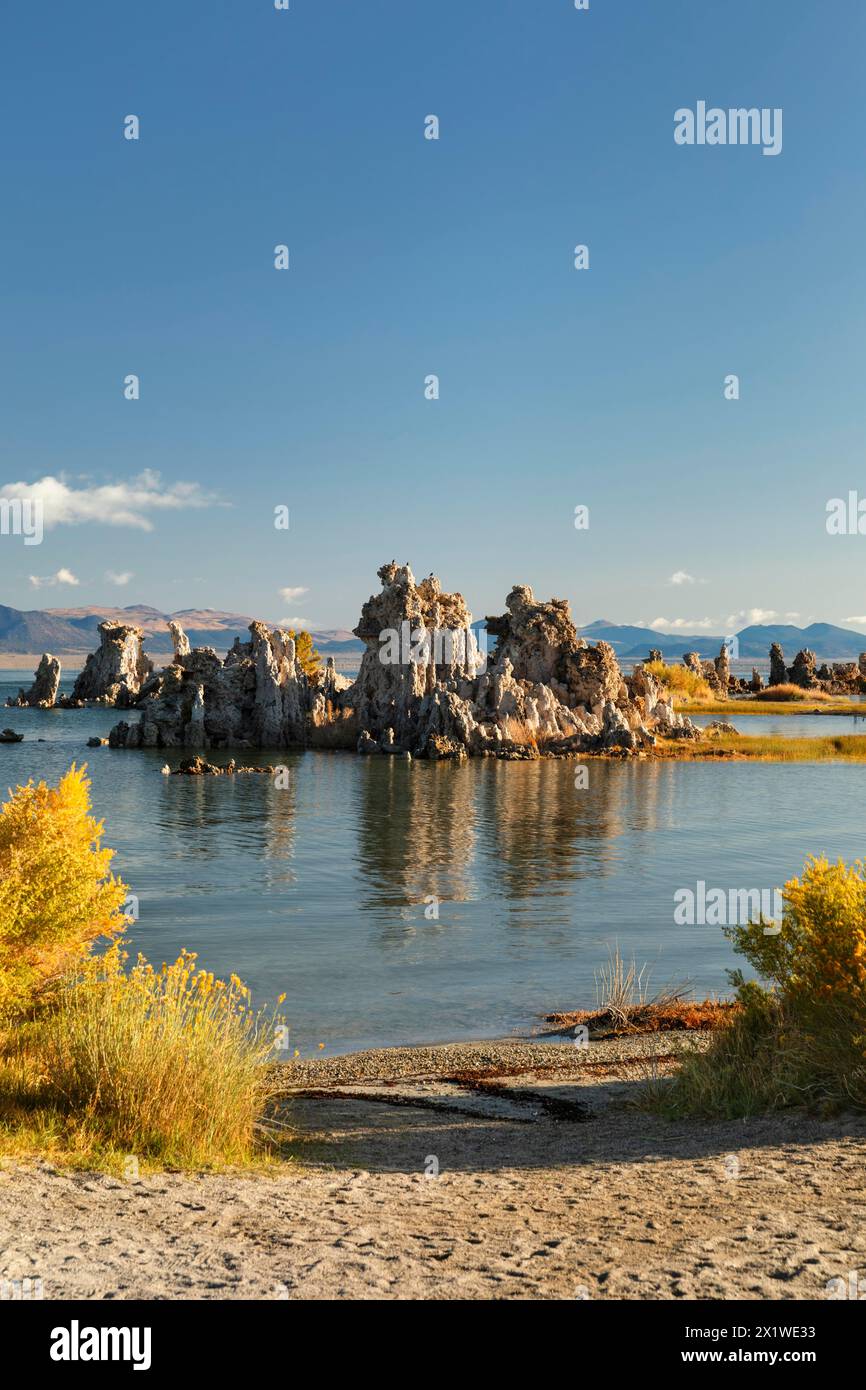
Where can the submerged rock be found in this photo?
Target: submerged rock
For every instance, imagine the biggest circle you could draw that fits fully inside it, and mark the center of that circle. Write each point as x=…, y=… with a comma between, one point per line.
x=200, y=767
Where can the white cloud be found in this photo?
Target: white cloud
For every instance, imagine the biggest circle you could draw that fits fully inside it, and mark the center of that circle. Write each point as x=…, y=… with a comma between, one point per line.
x=860, y=620
x=682, y=577
x=48, y=581
x=295, y=622
x=684, y=624
x=112, y=504
x=121, y=579
x=747, y=616
x=292, y=595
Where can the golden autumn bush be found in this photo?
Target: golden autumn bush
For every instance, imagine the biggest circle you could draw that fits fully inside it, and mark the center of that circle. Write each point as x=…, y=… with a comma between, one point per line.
x=683, y=683
x=166, y=1064
x=800, y=1035
x=306, y=654
x=818, y=959
x=57, y=892
x=99, y=1062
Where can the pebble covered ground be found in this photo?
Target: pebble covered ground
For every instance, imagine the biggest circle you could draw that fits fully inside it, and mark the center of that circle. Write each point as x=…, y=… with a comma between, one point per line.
x=446, y=1059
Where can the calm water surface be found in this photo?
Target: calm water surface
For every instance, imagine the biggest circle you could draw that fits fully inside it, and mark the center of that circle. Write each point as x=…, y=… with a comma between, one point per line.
x=319, y=890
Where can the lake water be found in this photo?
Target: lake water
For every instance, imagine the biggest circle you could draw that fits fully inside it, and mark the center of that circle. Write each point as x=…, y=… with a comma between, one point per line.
x=318, y=890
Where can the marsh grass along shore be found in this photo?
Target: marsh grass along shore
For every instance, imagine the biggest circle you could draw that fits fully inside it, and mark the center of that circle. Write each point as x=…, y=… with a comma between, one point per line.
x=731, y=708
x=846, y=748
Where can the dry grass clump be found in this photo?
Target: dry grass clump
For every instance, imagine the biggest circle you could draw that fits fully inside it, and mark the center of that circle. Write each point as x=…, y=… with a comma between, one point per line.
x=167, y=1065
x=624, y=1005
x=682, y=683
x=786, y=694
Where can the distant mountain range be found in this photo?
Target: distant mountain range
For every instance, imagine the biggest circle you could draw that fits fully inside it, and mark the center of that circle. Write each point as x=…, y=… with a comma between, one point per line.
x=73, y=631
x=828, y=642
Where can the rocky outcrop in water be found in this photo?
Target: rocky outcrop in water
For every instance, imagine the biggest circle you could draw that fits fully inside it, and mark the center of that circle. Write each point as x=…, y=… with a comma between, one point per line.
x=802, y=672
x=717, y=673
x=838, y=678
x=115, y=673
x=778, y=670
x=46, y=683
x=722, y=668
x=257, y=697
x=425, y=686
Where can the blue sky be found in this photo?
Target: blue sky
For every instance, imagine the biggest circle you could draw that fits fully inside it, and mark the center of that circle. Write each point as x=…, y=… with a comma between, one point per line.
x=409, y=257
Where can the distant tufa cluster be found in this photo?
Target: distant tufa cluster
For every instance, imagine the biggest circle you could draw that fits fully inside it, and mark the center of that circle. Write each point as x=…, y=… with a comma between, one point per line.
x=838, y=678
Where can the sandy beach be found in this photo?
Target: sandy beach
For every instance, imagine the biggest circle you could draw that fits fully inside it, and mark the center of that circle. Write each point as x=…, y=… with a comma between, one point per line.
x=550, y=1185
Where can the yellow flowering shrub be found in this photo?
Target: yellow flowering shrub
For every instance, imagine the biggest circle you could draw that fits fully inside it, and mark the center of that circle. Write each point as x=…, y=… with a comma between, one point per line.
x=57, y=892
x=165, y=1063
x=803, y=1038
x=819, y=956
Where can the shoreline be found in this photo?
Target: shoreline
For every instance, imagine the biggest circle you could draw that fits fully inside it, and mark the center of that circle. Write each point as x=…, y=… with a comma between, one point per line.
x=758, y=748
x=473, y=1172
